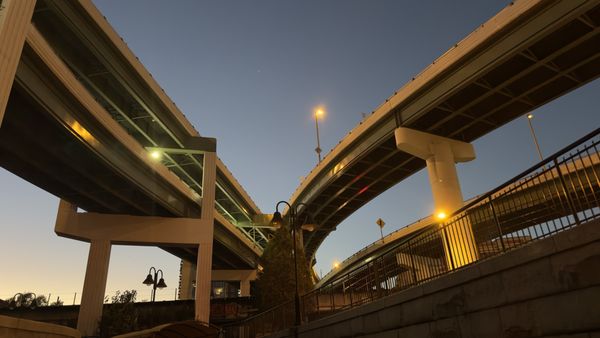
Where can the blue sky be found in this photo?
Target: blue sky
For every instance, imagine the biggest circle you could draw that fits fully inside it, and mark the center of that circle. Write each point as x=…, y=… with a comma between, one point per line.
x=250, y=73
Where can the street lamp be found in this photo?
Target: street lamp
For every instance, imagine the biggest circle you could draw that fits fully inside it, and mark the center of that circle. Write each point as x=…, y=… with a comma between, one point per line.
x=318, y=113
x=277, y=221
x=537, y=145
x=155, y=282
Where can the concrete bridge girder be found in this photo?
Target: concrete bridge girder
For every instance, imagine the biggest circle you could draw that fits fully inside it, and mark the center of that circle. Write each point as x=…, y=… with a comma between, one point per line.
x=15, y=18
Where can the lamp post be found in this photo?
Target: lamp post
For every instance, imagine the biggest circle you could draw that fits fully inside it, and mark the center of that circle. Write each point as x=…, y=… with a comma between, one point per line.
x=318, y=112
x=277, y=221
x=537, y=145
x=154, y=281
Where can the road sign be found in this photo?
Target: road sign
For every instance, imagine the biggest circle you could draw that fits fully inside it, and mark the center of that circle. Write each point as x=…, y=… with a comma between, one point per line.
x=381, y=223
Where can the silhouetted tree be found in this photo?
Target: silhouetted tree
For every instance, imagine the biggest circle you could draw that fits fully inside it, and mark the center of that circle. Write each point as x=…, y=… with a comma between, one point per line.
x=57, y=302
x=41, y=300
x=275, y=283
x=121, y=316
x=25, y=300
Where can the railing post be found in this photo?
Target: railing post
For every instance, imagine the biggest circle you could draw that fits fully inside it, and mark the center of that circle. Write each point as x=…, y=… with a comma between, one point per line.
x=385, y=275
x=377, y=277
x=449, y=249
x=317, y=293
x=500, y=234
x=370, y=280
x=412, y=262
x=332, y=296
x=566, y=191
x=302, y=309
x=351, y=303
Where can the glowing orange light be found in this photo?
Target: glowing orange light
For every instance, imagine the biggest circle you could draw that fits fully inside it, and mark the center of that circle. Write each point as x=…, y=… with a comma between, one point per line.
x=83, y=133
x=441, y=215
x=319, y=112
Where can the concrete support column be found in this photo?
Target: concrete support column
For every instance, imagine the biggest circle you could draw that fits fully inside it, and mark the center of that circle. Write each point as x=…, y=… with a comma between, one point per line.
x=204, y=263
x=443, y=178
x=441, y=154
x=94, y=286
x=245, y=288
x=15, y=20
x=188, y=275
x=203, y=283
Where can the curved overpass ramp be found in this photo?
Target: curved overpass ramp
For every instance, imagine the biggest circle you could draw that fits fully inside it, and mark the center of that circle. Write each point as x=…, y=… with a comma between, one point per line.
x=525, y=202
x=530, y=53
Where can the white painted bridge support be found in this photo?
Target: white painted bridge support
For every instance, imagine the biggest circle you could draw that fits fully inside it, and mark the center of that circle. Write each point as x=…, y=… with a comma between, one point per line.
x=441, y=154
x=94, y=287
x=15, y=20
x=101, y=230
x=204, y=262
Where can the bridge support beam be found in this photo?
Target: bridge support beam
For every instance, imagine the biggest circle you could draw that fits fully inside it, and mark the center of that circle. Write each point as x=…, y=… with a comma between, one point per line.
x=94, y=287
x=441, y=154
x=15, y=20
x=101, y=230
x=204, y=263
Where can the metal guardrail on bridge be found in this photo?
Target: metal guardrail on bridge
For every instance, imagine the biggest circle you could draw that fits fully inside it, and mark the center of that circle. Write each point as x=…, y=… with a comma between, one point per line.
x=558, y=193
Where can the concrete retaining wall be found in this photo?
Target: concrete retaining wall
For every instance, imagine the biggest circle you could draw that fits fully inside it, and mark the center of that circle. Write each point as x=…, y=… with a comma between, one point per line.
x=550, y=288
x=23, y=328
x=149, y=314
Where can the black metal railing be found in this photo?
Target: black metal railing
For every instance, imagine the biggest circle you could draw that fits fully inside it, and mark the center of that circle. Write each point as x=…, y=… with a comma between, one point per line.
x=556, y=194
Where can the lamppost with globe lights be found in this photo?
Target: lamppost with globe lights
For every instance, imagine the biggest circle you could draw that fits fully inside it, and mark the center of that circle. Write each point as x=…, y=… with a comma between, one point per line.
x=154, y=281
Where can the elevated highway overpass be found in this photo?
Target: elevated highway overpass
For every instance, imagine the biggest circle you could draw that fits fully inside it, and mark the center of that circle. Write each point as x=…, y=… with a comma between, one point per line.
x=527, y=55
x=81, y=118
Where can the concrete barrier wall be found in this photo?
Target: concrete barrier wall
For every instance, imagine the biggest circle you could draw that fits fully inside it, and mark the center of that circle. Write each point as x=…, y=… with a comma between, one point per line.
x=148, y=314
x=549, y=288
x=23, y=328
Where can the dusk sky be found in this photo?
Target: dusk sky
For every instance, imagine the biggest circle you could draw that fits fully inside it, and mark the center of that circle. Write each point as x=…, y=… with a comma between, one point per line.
x=250, y=73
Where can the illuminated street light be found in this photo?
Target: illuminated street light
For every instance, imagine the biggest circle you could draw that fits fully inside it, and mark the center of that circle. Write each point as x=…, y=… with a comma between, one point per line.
x=441, y=215
x=537, y=145
x=155, y=154
x=319, y=112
